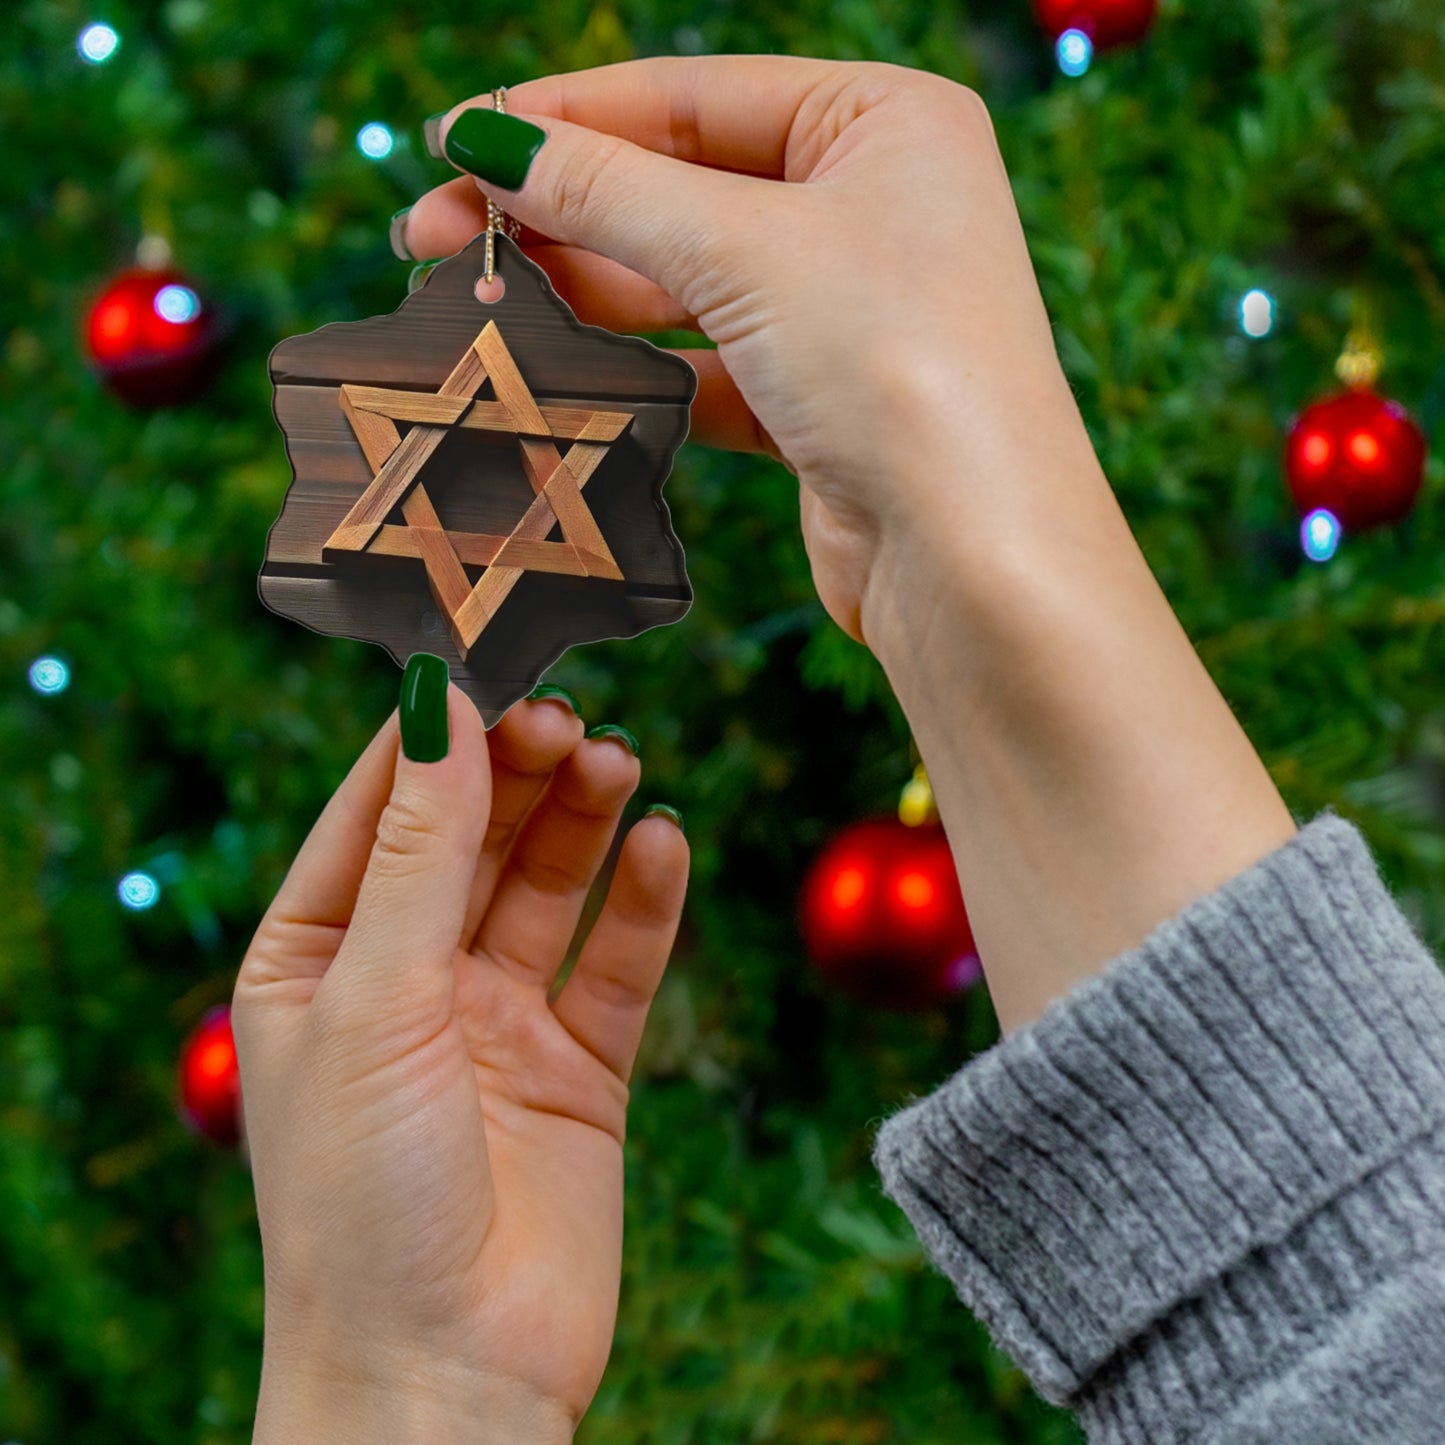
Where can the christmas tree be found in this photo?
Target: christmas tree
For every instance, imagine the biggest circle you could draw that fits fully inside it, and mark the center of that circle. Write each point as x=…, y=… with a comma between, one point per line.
x=1212, y=211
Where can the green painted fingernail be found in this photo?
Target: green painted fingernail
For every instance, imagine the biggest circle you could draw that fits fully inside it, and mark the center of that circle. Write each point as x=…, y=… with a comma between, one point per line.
x=396, y=232
x=424, y=733
x=416, y=279
x=498, y=148
x=612, y=730
x=550, y=689
x=667, y=812
x=431, y=132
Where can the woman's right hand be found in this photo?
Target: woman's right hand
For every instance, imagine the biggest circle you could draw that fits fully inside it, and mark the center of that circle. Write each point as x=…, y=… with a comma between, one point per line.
x=846, y=234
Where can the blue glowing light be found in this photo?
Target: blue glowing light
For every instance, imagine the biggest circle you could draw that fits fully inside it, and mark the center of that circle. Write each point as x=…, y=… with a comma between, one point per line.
x=1320, y=535
x=1075, y=52
x=49, y=675
x=138, y=891
x=375, y=140
x=1256, y=313
x=177, y=304
x=97, y=43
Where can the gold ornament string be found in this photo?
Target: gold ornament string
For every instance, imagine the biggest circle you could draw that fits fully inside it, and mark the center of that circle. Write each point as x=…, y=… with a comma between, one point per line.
x=497, y=218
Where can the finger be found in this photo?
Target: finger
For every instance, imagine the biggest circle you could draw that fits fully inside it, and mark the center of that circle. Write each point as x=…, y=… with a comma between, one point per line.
x=606, y=998
x=601, y=292
x=300, y=931
x=526, y=746
x=654, y=215
x=737, y=112
x=443, y=220
x=557, y=854
x=720, y=416
x=396, y=962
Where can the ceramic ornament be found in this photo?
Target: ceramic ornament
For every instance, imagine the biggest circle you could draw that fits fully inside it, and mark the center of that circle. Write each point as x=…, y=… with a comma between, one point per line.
x=482, y=481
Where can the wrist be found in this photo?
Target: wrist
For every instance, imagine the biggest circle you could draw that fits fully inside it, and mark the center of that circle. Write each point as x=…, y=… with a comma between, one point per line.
x=1092, y=779
x=323, y=1400
x=983, y=525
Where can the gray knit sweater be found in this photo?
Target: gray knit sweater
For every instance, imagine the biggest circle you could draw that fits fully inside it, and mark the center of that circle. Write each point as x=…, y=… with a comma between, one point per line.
x=1202, y=1199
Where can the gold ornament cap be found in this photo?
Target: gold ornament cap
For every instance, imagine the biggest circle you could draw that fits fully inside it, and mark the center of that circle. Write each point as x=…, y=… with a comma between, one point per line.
x=915, y=804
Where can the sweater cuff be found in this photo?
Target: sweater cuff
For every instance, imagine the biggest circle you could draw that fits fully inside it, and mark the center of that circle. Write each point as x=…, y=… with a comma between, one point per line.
x=1254, y=1059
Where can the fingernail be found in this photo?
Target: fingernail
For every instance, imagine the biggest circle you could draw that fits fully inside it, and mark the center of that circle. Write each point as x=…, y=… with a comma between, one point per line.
x=498, y=148
x=397, y=234
x=550, y=689
x=670, y=813
x=424, y=734
x=431, y=131
x=612, y=730
x=416, y=278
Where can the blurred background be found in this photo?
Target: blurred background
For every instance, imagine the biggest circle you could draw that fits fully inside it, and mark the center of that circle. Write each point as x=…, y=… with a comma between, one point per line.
x=1235, y=208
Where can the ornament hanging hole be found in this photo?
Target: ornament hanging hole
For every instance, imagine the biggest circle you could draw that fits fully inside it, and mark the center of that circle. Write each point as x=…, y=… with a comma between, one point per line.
x=490, y=292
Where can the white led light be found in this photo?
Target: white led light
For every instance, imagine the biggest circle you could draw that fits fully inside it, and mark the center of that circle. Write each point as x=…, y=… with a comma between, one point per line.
x=138, y=891
x=49, y=675
x=177, y=304
x=1075, y=52
x=1320, y=535
x=97, y=43
x=1256, y=313
x=375, y=140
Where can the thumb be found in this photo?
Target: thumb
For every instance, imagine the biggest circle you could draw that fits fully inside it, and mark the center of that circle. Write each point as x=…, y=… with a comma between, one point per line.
x=666, y=219
x=396, y=959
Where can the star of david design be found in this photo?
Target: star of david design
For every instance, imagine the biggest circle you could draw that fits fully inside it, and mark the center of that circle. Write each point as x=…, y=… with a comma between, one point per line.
x=397, y=463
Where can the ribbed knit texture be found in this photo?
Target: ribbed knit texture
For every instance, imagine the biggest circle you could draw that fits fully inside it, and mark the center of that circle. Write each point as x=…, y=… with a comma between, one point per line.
x=1202, y=1199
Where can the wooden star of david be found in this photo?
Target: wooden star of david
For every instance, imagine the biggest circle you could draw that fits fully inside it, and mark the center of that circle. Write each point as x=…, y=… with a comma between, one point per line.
x=397, y=463
x=405, y=460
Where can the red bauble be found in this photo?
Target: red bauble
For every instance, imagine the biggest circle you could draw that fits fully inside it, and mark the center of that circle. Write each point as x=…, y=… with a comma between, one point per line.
x=152, y=338
x=1107, y=23
x=210, y=1081
x=1359, y=456
x=883, y=917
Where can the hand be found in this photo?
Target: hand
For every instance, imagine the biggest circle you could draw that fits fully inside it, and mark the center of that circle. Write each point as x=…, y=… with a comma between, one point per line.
x=847, y=235
x=878, y=324
x=437, y=1151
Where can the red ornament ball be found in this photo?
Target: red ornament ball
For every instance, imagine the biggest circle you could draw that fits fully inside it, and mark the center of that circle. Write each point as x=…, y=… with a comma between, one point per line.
x=883, y=917
x=1107, y=23
x=1359, y=456
x=210, y=1081
x=152, y=337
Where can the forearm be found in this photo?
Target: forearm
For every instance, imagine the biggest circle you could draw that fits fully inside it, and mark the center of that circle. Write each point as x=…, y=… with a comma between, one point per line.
x=1092, y=779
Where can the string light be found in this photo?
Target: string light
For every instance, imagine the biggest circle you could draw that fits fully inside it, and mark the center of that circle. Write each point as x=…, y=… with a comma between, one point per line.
x=1075, y=52
x=1256, y=313
x=49, y=675
x=138, y=891
x=375, y=141
x=177, y=304
x=97, y=43
x=1320, y=535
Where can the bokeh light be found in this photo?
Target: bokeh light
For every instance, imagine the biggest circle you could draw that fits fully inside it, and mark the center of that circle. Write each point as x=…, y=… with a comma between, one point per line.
x=1075, y=52
x=375, y=141
x=49, y=675
x=1256, y=313
x=138, y=891
x=97, y=43
x=1320, y=535
x=177, y=304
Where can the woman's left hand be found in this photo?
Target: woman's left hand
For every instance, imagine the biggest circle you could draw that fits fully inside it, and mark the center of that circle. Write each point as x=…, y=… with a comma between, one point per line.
x=437, y=1149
